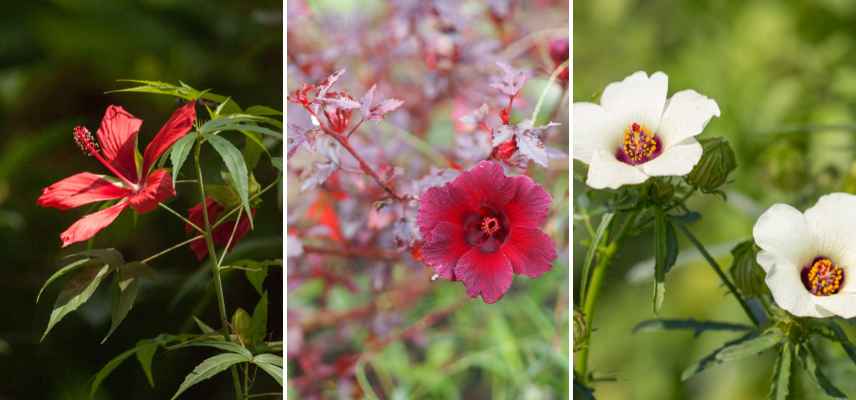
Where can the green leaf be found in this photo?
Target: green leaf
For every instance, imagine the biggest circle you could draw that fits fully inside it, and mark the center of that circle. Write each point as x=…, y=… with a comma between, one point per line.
x=273, y=359
x=807, y=357
x=234, y=161
x=107, y=369
x=275, y=371
x=253, y=149
x=750, y=347
x=146, y=350
x=263, y=110
x=665, y=254
x=277, y=163
x=76, y=293
x=205, y=328
x=209, y=368
x=846, y=344
x=62, y=272
x=593, y=248
x=712, y=359
x=242, y=324
x=258, y=327
x=781, y=384
x=748, y=275
x=231, y=347
x=124, y=292
x=179, y=152
x=698, y=327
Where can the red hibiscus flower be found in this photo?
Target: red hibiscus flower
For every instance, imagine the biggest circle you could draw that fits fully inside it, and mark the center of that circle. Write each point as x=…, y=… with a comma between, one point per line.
x=482, y=227
x=221, y=233
x=133, y=184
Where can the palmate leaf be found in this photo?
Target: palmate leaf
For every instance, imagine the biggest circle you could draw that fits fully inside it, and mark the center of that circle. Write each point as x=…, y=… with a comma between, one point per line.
x=751, y=347
x=182, y=91
x=698, y=327
x=73, y=266
x=146, y=350
x=209, y=368
x=234, y=161
x=179, y=152
x=76, y=293
x=780, y=387
x=124, y=292
x=807, y=357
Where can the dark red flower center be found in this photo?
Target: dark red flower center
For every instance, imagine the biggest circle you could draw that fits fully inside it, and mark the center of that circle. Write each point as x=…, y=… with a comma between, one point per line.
x=640, y=145
x=822, y=277
x=486, y=229
x=85, y=141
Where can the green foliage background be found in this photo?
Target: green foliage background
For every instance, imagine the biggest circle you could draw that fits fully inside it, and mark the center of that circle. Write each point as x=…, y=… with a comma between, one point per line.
x=56, y=61
x=783, y=75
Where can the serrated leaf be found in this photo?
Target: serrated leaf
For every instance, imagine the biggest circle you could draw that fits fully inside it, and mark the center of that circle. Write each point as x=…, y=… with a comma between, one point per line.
x=145, y=355
x=209, y=368
x=258, y=326
x=234, y=161
x=62, y=272
x=807, y=358
x=107, y=369
x=122, y=300
x=231, y=347
x=711, y=359
x=750, y=347
x=780, y=387
x=698, y=327
x=180, y=151
x=75, y=295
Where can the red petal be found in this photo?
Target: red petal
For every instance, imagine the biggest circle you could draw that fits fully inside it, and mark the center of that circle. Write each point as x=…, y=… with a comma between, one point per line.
x=86, y=227
x=157, y=188
x=488, y=274
x=530, y=251
x=80, y=189
x=443, y=247
x=530, y=205
x=440, y=204
x=485, y=184
x=177, y=126
x=118, y=139
x=223, y=232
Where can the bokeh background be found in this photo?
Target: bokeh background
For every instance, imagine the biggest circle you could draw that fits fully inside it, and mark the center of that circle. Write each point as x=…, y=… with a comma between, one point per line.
x=57, y=58
x=438, y=56
x=784, y=78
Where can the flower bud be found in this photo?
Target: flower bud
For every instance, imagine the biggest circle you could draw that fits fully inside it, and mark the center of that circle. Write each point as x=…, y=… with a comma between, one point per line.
x=717, y=161
x=747, y=274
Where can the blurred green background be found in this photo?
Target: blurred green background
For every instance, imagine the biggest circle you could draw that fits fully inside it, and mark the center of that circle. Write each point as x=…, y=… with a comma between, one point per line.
x=57, y=58
x=783, y=75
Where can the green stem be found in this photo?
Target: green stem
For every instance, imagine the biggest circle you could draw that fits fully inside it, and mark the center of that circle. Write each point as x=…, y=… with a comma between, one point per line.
x=716, y=268
x=181, y=217
x=171, y=248
x=547, y=87
x=215, y=267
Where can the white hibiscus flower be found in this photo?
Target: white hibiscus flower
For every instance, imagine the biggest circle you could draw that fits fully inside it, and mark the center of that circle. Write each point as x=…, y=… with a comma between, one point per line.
x=636, y=133
x=809, y=257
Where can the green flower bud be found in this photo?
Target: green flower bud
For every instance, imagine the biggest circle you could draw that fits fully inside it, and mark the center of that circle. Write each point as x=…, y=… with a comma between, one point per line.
x=242, y=325
x=717, y=161
x=748, y=275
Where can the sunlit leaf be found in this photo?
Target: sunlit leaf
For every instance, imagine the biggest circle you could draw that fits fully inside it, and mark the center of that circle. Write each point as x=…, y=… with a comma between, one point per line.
x=76, y=293
x=234, y=161
x=209, y=368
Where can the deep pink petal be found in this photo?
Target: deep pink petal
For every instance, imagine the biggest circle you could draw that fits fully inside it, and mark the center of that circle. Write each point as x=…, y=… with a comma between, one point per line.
x=485, y=185
x=86, y=227
x=80, y=189
x=194, y=215
x=440, y=204
x=530, y=205
x=488, y=274
x=118, y=139
x=530, y=251
x=157, y=188
x=443, y=247
x=175, y=128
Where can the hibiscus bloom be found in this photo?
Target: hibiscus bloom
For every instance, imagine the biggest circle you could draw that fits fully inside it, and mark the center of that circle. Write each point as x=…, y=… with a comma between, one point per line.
x=134, y=184
x=809, y=257
x=482, y=227
x=636, y=133
x=221, y=233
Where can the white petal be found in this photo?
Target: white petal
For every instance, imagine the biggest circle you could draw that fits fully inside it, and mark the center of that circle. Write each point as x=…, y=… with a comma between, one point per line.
x=676, y=160
x=783, y=231
x=605, y=171
x=832, y=222
x=841, y=304
x=638, y=98
x=686, y=115
x=783, y=279
x=592, y=131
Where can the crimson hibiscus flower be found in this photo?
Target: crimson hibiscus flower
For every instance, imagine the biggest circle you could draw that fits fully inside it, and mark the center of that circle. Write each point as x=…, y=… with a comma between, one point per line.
x=133, y=183
x=221, y=233
x=482, y=227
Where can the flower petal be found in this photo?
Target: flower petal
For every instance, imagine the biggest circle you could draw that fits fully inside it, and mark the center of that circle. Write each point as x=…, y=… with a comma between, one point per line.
x=175, y=128
x=157, y=188
x=530, y=204
x=440, y=204
x=593, y=130
x=443, y=248
x=606, y=171
x=686, y=115
x=783, y=279
x=840, y=304
x=677, y=160
x=80, y=189
x=529, y=251
x=638, y=98
x=488, y=274
x=832, y=222
x=783, y=231
x=485, y=184
x=118, y=139
x=86, y=227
